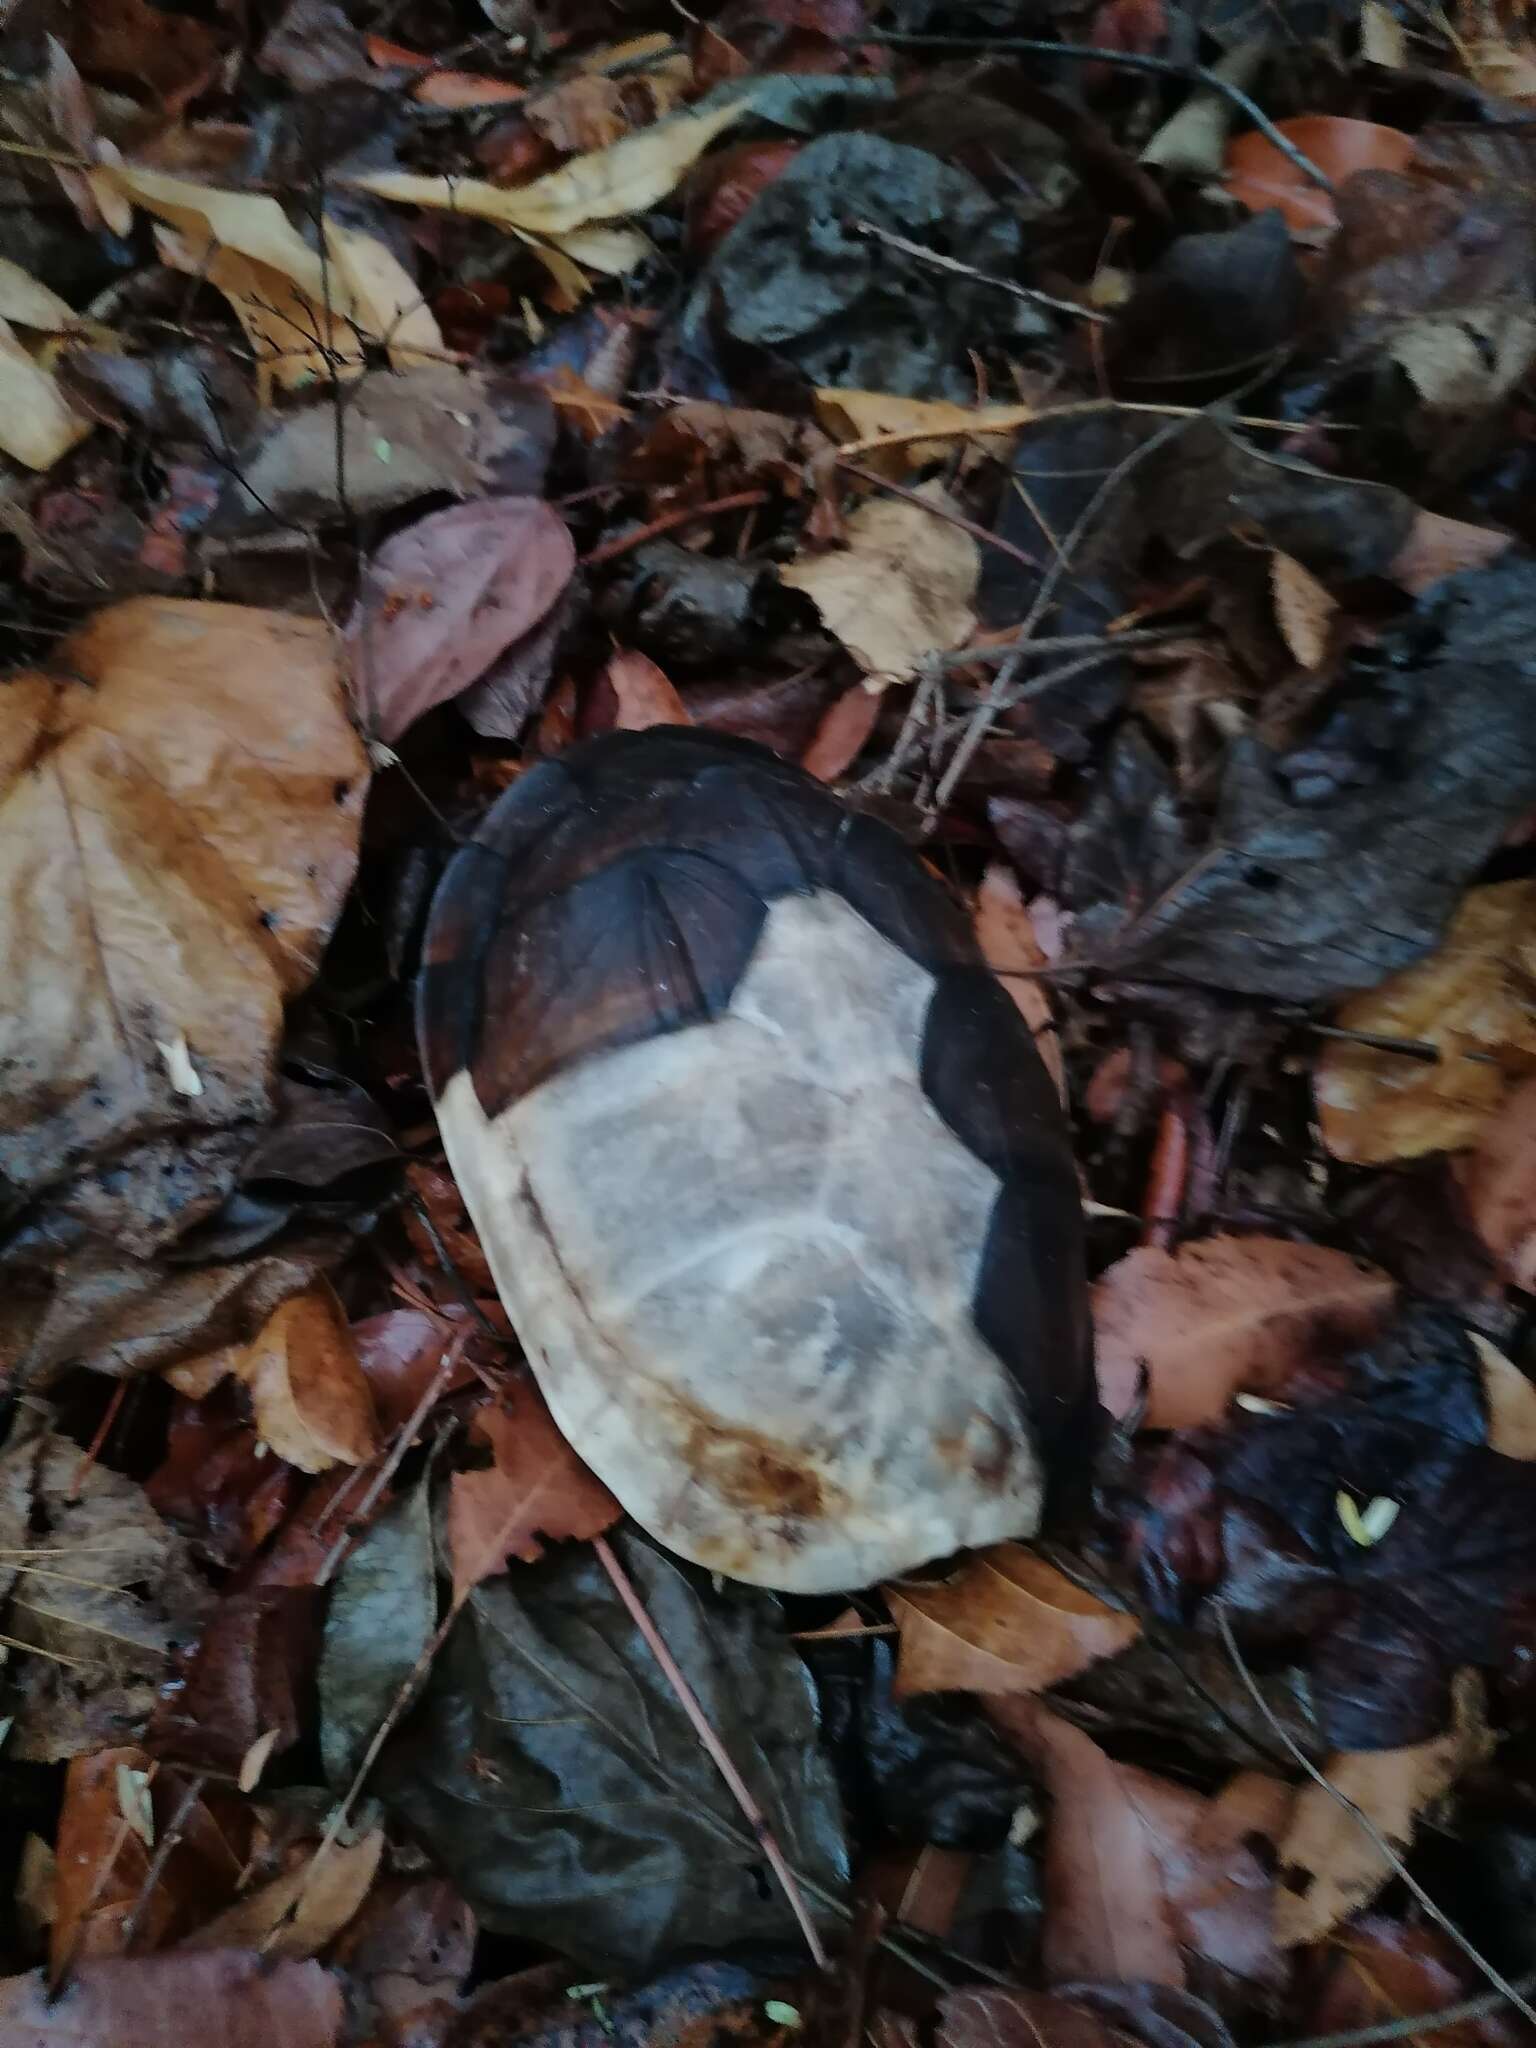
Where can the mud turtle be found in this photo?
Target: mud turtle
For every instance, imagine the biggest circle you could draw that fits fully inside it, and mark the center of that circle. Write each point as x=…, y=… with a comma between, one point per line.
x=773, y=1182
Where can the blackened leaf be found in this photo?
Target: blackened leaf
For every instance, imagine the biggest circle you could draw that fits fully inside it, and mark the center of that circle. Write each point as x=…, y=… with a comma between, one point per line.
x=796, y=275
x=1313, y=886
x=381, y=1614
x=553, y=1774
x=1213, y=302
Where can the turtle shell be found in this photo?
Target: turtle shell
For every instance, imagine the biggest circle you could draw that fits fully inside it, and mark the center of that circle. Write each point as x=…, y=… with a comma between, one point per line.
x=774, y=1184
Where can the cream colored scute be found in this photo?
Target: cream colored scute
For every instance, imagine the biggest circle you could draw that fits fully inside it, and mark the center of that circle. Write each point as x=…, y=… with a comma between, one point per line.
x=742, y=1258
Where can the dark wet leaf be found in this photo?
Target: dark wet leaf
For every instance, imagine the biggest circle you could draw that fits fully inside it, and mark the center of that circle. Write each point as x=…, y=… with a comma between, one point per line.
x=382, y=1611
x=687, y=609
x=554, y=1775
x=1251, y=1516
x=1310, y=887
x=1213, y=303
x=796, y=276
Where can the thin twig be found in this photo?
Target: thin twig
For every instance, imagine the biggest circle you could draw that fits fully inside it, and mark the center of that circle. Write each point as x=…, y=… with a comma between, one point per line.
x=945, y=512
x=610, y=550
x=718, y=1755
x=1385, y=1849
x=1126, y=60
x=1412, y=2023
x=170, y=1835
x=1063, y=643
x=920, y=254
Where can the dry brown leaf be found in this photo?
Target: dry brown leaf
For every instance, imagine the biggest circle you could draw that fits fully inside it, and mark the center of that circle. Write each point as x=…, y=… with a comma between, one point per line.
x=901, y=589
x=1470, y=996
x=322, y=1894
x=313, y=1406
x=1107, y=1908
x=645, y=693
x=37, y=422
x=229, y=1996
x=1437, y=546
x=1006, y=1622
x=1006, y=934
x=855, y=419
x=101, y=1863
x=29, y=303
x=1329, y=1865
x=1226, y=1315
x=581, y=114
x=1499, y=1182
x=1511, y=1400
x=179, y=804
x=841, y=733
x=1303, y=609
x=537, y=1488
x=626, y=178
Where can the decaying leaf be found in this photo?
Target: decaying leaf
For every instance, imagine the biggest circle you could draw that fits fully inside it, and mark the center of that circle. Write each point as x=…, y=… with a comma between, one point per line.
x=1006, y=935
x=313, y=1405
x=233, y=1996
x=30, y=303
x=537, y=1488
x=645, y=693
x=1471, y=999
x=1510, y=1399
x=446, y=598
x=857, y=419
x=1259, y=175
x=1303, y=609
x=304, y=1909
x=1226, y=1315
x=903, y=587
x=1498, y=1179
x=179, y=797
x=1330, y=1865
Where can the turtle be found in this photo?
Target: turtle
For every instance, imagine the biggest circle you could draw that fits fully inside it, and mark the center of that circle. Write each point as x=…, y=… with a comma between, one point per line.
x=771, y=1177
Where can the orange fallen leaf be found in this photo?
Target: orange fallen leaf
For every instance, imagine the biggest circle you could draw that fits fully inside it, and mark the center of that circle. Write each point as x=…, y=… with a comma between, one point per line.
x=537, y=1488
x=1007, y=1622
x=1260, y=176
x=1498, y=1179
x=838, y=740
x=646, y=695
x=1437, y=546
x=1226, y=1315
x=312, y=1403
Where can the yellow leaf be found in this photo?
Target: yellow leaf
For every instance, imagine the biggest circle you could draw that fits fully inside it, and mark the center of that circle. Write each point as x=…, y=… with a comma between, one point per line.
x=37, y=423
x=250, y=223
x=881, y=422
x=625, y=178
x=383, y=297
x=29, y=303
x=901, y=589
x=1469, y=997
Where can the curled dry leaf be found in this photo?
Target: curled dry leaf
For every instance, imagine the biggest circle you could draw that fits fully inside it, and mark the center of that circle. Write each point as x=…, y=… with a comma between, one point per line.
x=1259, y=176
x=645, y=693
x=1470, y=999
x=298, y=1913
x=1226, y=1315
x=1330, y=1865
x=234, y=1997
x=629, y=176
x=447, y=597
x=1006, y=934
x=1006, y=1622
x=1498, y=1180
x=901, y=589
x=857, y=418
x=179, y=804
x=536, y=1488
x=313, y=1405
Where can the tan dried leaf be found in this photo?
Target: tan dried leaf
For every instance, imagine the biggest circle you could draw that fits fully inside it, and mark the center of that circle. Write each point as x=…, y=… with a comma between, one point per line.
x=1303, y=609
x=1499, y=1182
x=1226, y=1315
x=1006, y=1622
x=645, y=692
x=235, y=1998
x=321, y=1895
x=313, y=1405
x=1006, y=934
x=581, y=114
x=1471, y=996
x=1330, y=1865
x=1511, y=1400
x=30, y=303
x=915, y=431
x=179, y=804
x=37, y=422
x=901, y=589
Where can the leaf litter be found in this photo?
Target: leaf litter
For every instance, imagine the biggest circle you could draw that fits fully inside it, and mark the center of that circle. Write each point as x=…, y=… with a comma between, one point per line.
x=1115, y=479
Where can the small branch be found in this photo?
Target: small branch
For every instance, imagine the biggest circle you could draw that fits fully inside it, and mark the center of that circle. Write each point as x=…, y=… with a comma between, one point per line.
x=1126, y=60
x=688, y=1700
x=953, y=264
x=170, y=1835
x=1501, y=1985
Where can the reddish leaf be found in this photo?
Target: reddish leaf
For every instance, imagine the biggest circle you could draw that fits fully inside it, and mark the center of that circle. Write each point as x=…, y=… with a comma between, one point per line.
x=1377, y=1970
x=311, y=1400
x=215, y=1483
x=646, y=696
x=537, y=1488
x=232, y=1996
x=442, y=600
x=728, y=184
x=1260, y=176
x=1226, y=1315
x=1499, y=1181
x=845, y=725
x=400, y=1353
